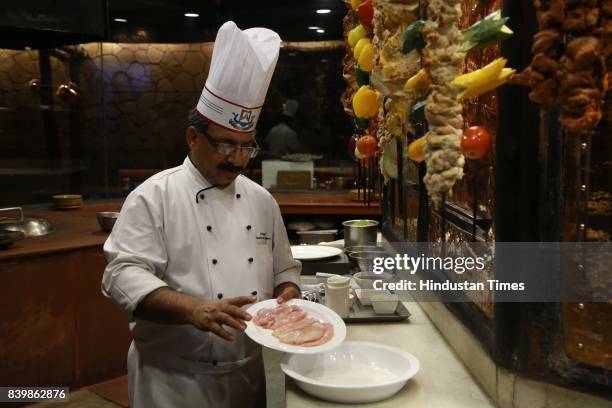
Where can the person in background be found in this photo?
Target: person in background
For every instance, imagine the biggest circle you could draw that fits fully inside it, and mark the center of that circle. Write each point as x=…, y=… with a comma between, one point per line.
x=282, y=139
x=196, y=243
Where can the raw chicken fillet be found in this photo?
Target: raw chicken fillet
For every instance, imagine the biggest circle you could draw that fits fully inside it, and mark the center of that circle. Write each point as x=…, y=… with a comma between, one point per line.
x=292, y=325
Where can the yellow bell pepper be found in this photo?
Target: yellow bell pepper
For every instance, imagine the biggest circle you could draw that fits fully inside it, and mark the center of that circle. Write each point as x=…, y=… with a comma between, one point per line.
x=418, y=82
x=416, y=150
x=359, y=47
x=483, y=88
x=355, y=3
x=366, y=102
x=366, y=58
x=481, y=76
x=356, y=34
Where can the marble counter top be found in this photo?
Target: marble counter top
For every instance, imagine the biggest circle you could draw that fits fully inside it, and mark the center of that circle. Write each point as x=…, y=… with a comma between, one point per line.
x=442, y=381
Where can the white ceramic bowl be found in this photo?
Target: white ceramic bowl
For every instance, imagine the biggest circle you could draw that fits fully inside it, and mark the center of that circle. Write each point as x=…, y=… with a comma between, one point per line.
x=384, y=303
x=364, y=295
x=365, y=280
x=354, y=372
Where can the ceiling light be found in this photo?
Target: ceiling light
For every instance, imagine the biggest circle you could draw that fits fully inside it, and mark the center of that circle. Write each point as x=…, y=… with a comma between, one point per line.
x=121, y=20
x=323, y=11
x=192, y=15
x=313, y=28
x=320, y=31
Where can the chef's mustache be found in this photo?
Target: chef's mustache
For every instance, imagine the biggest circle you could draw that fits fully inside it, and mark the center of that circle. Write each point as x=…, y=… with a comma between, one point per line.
x=232, y=168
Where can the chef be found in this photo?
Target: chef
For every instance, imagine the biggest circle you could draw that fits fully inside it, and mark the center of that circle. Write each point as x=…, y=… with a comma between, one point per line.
x=195, y=244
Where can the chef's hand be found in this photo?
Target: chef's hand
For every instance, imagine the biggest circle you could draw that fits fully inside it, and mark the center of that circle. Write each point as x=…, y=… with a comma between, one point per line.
x=287, y=291
x=211, y=315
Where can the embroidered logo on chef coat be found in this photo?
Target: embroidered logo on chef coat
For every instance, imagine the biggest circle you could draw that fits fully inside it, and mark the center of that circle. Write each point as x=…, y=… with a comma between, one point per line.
x=263, y=237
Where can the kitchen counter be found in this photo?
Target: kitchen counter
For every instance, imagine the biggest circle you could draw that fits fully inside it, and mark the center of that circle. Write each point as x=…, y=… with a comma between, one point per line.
x=79, y=228
x=442, y=381
x=324, y=203
x=74, y=229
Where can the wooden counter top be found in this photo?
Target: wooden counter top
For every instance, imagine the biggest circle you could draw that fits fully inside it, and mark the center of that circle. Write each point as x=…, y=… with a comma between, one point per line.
x=321, y=203
x=76, y=229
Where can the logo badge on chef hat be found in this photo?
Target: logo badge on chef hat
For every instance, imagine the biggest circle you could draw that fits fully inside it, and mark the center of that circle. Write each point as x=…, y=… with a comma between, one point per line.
x=240, y=73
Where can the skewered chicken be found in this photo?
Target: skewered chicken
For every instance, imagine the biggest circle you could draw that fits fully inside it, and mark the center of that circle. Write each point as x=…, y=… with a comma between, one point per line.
x=393, y=69
x=583, y=79
x=443, y=59
x=543, y=73
x=606, y=39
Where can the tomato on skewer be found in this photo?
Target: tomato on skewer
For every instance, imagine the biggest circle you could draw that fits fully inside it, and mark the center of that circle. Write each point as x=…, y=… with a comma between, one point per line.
x=475, y=142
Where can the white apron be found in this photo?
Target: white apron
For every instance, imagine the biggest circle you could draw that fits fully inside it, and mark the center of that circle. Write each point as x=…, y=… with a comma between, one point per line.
x=177, y=230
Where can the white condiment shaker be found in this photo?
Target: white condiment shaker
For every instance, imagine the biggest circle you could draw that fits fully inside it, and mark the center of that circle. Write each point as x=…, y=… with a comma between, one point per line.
x=337, y=291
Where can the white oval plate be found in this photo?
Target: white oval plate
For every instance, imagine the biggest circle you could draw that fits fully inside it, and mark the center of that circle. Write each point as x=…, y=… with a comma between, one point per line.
x=354, y=372
x=314, y=252
x=315, y=310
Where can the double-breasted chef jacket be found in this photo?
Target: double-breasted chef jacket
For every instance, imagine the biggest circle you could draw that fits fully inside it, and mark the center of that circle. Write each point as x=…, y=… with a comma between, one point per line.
x=177, y=230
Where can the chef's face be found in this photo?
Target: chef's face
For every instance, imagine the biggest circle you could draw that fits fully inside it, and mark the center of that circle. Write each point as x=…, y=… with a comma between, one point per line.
x=218, y=168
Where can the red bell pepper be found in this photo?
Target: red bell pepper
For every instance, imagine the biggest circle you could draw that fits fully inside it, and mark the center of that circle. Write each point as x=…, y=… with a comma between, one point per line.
x=365, y=12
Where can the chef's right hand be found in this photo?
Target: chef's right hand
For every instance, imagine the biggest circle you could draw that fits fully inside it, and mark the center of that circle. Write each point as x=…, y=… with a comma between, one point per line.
x=211, y=315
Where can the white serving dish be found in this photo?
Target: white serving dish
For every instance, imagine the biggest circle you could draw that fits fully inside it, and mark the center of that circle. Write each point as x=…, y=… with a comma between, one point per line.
x=384, y=303
x=314, y=252
x=354, y=372
x=365, y=280
x=364, y=295
x=265, y=338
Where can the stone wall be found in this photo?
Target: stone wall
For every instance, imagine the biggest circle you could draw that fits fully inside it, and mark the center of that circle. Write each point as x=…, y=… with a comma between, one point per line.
x=131, y=112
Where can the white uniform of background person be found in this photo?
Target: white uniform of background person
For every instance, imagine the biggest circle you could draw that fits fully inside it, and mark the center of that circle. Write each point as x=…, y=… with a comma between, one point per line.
x=282, y=139
x=177, y=230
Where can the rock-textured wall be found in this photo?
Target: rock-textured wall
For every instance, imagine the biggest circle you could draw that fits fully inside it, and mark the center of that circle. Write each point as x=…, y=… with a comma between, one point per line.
x=131, y=112
x=147, y=90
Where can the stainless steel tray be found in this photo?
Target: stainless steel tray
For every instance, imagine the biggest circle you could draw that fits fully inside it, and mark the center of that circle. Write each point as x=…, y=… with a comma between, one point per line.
x=360, y=313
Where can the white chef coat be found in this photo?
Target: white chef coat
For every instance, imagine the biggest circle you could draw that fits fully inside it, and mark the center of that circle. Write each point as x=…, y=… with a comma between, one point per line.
x=179, y=231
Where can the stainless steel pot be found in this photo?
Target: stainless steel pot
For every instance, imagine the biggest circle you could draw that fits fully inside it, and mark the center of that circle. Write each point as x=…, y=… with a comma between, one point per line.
x=360, y=232
x=30, y=226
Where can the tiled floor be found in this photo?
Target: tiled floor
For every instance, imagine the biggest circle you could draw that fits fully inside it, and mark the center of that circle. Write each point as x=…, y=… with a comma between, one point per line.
x=114, y=393
x=115, y=390
x=80, y=399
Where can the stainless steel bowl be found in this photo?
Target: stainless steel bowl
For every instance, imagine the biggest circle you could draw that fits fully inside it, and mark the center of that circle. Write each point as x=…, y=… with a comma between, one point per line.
x=365, y=259
x=107, y=219
x=360, y=232
x=29, y=226
x=8, y=238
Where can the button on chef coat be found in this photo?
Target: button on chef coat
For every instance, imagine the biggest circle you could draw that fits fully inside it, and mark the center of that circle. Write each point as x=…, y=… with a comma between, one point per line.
x=161, y=239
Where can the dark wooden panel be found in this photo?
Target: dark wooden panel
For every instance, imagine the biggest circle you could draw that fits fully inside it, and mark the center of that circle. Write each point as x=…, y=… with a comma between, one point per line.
x=588, y=333
x=37, y=325
x=103, y=334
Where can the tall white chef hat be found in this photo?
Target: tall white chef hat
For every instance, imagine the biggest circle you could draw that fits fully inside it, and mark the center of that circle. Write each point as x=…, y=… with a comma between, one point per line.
x=240, y=72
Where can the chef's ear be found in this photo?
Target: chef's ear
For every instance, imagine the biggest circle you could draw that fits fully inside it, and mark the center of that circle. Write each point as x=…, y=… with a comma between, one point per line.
x=191, y=136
